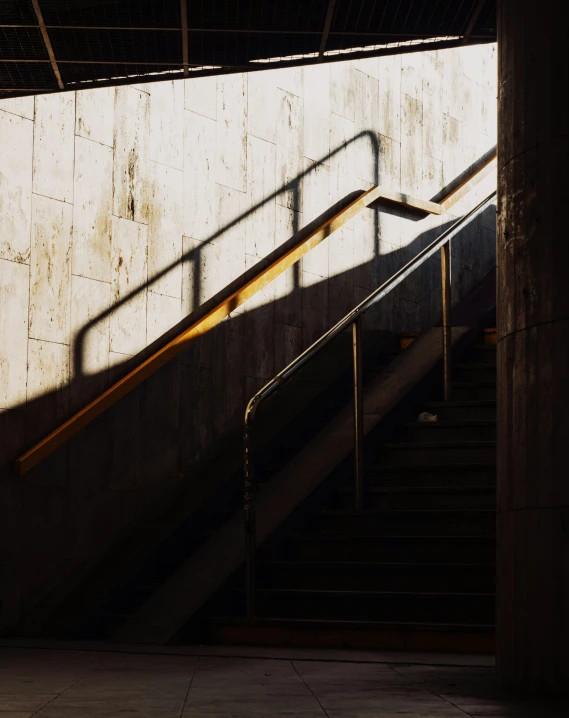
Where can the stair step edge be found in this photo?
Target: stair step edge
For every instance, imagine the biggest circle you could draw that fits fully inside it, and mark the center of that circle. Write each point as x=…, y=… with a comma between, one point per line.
x=413, y=468
x=437, y=444
x=449, y=423
x=342, y=592
x=402, y=512
x=467, y=403
x=370, y=564
x=232, y=620
x=394, y=490
x=415, y=537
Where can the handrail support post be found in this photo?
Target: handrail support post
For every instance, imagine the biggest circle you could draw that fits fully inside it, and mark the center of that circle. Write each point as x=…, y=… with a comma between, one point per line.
x=250, y=550
x=358, y=413
x=250, y=525
x=446, y=321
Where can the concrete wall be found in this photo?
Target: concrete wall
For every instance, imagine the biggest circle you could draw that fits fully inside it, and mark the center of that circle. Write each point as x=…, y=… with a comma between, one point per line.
x=148, y=200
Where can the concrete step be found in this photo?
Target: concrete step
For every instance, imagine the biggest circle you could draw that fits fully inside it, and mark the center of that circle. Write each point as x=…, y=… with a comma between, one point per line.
x=322, y=604
x=383, y=635
x=484, y=410
x=424, y=522
x=473, y=371
x=485, y=353
x=423, y=453
x=435, y=474
x=416, y=548
x=445, y=430
x=413, y=497
x=375, y=575
x=473, y=390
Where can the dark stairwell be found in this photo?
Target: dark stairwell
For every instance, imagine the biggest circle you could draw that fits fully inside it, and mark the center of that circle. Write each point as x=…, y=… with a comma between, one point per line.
x=384, y=566
x=415, y=569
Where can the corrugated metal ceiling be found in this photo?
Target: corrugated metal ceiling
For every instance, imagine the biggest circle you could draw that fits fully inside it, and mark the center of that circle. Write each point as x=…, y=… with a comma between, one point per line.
x=50, y=45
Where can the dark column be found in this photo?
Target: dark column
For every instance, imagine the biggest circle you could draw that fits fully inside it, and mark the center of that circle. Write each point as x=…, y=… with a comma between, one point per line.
x=533, y=346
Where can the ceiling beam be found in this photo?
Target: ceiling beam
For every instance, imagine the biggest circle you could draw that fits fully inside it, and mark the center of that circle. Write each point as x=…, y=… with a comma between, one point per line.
x=47, y=43
x=472, y=20
x=22, y=91
x=24, y=61
x=242, y=31
x=327, y=27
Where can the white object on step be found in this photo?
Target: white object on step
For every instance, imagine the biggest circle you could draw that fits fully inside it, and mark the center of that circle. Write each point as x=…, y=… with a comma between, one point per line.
x=427, y=418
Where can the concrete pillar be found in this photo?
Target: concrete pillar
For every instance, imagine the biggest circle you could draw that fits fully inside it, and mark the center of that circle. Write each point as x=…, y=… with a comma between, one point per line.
x=533, y=346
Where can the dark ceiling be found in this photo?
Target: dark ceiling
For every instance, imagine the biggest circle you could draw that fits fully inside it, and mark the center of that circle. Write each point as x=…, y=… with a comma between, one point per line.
x=52, y=45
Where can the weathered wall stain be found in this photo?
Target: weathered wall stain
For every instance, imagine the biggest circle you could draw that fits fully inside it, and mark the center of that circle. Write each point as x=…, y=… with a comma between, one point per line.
x=131, y=173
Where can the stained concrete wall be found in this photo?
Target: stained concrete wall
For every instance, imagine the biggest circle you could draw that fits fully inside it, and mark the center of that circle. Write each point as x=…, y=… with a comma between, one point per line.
x=162, y=194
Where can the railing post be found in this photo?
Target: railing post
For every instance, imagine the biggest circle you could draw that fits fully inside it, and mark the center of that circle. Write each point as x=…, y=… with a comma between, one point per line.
x=358, y=413
x=250, y=525
x=446, y=307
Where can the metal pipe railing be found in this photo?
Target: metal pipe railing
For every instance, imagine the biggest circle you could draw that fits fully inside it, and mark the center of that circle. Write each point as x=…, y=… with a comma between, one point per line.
x=352, y=319
x=238, y=292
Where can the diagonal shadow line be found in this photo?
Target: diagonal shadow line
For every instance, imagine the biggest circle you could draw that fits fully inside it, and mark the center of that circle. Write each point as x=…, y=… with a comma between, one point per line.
x=197, y=464
x=194, y=254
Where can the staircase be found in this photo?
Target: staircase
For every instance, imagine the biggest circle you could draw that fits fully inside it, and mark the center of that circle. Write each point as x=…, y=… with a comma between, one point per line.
x=425, y=533
x=415, y=569
x=411, y=568
x=329, y=382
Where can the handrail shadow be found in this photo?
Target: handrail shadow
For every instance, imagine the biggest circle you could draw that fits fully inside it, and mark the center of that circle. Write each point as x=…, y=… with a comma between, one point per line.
x=193, y=256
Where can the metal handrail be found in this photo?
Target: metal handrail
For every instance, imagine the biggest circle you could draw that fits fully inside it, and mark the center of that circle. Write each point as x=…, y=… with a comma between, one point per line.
x=352, y=319
x=238, y=295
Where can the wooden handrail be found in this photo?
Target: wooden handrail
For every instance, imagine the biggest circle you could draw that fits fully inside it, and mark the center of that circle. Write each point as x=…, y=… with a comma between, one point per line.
x=150, y=365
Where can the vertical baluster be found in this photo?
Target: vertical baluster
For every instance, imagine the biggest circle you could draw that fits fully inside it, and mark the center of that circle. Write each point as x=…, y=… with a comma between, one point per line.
x=358, y=413
x=250, y=525
x=446, y=306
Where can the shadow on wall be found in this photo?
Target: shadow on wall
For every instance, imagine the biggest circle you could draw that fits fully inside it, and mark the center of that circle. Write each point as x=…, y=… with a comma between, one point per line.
x=191, y=261
x=72, y=506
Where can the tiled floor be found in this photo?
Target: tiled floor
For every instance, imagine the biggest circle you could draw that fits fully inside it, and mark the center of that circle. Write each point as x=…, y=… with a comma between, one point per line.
x=60, y=683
